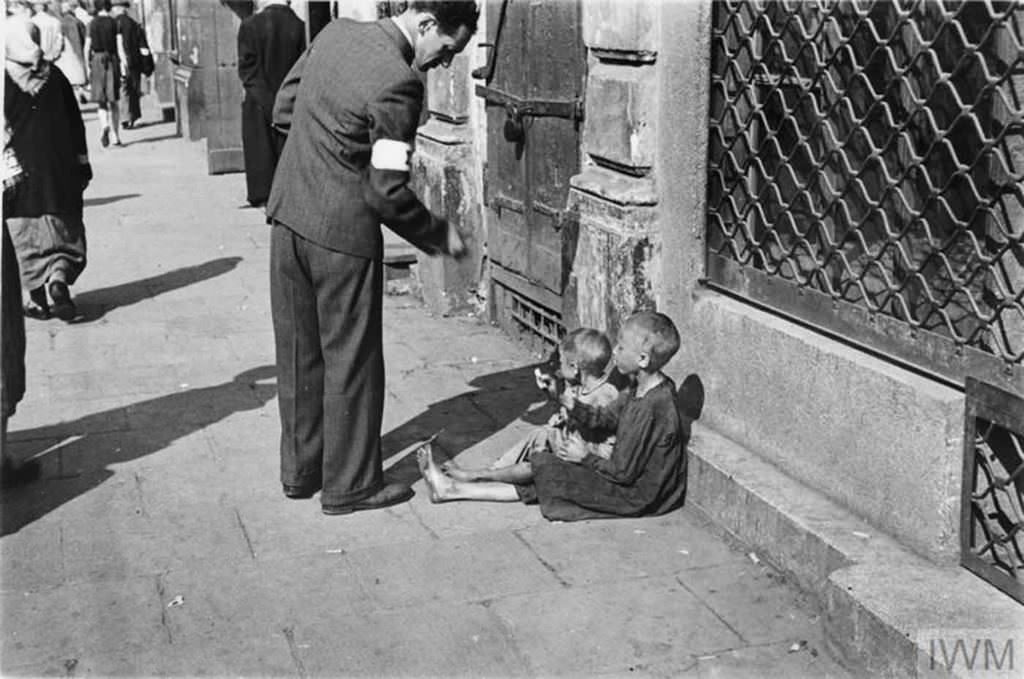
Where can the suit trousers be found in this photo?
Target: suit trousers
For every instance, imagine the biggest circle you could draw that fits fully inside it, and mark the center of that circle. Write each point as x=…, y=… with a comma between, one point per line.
x=327, y=309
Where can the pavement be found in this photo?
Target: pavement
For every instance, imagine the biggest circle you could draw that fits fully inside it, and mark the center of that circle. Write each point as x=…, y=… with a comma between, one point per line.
x=158, y=541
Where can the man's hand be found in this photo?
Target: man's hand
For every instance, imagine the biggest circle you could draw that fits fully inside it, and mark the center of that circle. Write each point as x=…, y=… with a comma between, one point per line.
x=456, y=243
x=571, y=450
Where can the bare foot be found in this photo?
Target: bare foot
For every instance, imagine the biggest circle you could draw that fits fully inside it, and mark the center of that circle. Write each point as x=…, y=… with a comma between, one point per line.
x=453, y=470
x=440, y=486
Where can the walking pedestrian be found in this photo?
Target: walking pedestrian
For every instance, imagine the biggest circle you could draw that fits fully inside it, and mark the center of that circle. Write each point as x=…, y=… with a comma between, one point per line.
x=51, y=36
x=44, y=209
x=351, y=105
x=72, y=58
x=269, y=44
x=104, y=49
x=133, y=38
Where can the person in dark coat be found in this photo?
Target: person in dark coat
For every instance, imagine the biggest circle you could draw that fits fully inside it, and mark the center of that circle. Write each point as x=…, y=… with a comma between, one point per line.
x=269, y=44
x=135, y=44
x=44, y=210
x=351, y=105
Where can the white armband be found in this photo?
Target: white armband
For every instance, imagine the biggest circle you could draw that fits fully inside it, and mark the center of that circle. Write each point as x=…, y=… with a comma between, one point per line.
x=389, y=154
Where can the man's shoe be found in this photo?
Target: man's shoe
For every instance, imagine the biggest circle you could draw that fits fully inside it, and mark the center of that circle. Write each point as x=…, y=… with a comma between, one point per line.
x=12, y=475
x=299, y=492
x=391, y=494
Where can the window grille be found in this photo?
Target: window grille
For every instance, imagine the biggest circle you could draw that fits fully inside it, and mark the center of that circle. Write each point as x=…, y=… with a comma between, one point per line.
x=866, y=174
x=992, y=508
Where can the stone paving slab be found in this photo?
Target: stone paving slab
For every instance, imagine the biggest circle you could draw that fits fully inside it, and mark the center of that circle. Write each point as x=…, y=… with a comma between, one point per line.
x=156, y=418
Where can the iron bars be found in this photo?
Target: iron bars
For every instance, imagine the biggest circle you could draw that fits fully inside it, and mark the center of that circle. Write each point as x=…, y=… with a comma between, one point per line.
x=866, y=174
x=992, y=504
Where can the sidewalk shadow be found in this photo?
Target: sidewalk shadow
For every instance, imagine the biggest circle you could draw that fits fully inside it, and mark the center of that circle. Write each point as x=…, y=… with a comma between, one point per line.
x=159, y=422
x=94, y=304
x=499, y=399
x=144, y=140
x=107, y=200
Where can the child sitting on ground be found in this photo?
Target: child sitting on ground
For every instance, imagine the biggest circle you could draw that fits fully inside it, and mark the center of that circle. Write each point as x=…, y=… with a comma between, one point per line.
x=584, y=355
x=646, y=472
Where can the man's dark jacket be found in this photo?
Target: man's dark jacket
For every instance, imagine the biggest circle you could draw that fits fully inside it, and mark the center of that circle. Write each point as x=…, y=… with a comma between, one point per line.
x=269, y=44
x=353, y=89
x=134, y=38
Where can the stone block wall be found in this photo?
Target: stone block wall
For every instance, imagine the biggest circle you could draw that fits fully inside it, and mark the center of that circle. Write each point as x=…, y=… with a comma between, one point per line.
x=615, y=193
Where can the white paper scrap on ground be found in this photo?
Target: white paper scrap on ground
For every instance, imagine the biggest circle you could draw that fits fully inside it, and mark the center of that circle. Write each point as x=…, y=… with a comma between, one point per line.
x=754, y=558
x=176, y=601
x=862, y=534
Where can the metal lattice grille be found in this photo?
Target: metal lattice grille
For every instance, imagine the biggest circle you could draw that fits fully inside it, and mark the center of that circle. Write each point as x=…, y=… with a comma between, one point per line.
x=866, y=162
x=992, y=525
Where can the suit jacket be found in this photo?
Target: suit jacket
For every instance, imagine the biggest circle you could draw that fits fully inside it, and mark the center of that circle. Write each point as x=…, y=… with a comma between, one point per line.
x=269, y=44
x=350, y=107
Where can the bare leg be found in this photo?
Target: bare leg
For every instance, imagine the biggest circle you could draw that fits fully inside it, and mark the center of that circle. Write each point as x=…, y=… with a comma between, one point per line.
x=516, y=473
x=445, y=489
x=115, y=122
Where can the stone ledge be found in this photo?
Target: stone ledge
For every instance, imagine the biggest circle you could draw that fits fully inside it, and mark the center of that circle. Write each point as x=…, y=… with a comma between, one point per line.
x=878, y=439
x=880, y=601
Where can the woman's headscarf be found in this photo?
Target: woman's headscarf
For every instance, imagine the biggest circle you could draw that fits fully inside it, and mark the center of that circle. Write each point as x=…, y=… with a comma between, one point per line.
x=24, y=58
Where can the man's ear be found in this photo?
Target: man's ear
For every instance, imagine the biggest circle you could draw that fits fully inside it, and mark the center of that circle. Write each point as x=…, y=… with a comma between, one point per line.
x=643, y=360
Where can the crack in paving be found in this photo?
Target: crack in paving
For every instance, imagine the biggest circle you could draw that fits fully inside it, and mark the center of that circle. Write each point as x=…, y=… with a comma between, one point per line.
x=245, y=534
x=554, y=571
x=289, y=635
x=419, y=519
x=713, y=611
x=163, y=609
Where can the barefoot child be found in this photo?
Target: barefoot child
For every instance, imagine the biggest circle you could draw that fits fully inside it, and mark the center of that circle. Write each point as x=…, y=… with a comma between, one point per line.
x=584, y=355
x=646, y=472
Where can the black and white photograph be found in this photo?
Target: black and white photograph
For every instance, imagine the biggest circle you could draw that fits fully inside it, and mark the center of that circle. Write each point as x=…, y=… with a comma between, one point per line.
x=430, y=339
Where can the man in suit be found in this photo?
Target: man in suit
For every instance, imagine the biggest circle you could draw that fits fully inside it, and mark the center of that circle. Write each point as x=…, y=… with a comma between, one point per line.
x=269, y=44
x=351, y=106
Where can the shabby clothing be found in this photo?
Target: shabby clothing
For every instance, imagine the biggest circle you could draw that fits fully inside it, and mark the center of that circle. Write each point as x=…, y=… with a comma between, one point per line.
x=644, y=476
x=44, y=209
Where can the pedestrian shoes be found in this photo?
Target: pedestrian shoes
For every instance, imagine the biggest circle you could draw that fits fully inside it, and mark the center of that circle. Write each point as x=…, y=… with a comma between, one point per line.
x=390, y=494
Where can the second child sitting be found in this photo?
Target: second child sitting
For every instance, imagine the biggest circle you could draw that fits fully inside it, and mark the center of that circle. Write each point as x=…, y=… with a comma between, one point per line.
x=584, y=357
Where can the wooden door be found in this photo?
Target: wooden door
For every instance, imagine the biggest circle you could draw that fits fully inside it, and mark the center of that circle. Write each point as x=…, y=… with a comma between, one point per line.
x=222, y=87
x=533, y=91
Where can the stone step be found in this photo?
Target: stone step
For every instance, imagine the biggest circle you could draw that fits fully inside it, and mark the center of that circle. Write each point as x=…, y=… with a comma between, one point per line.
x=886, y=611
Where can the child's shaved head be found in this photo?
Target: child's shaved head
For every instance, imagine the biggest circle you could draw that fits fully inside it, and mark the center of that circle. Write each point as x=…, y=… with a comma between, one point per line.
x=657, y=334
x=590, y=349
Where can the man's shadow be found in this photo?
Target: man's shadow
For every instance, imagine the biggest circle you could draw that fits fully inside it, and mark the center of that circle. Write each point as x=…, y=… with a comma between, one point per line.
x=498, y=399
x=106, y=200
x=93, y=449
x=94, y=304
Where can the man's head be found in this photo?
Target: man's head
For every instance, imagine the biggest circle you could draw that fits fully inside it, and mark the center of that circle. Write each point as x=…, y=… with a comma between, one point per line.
x=441, y=29
x=119, y=7
x=584, y=351
x=647, y=341
x=101, y=5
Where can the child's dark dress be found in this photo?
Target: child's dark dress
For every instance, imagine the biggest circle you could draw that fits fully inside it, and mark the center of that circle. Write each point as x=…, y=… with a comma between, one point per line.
x=645, y=475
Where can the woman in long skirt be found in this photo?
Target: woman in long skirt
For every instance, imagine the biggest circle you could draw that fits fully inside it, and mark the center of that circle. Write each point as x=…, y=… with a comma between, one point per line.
x=44, y=210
